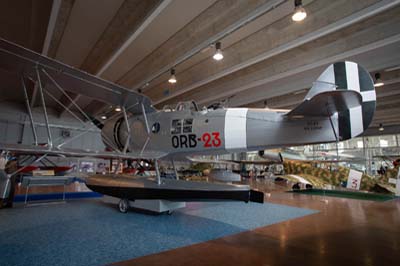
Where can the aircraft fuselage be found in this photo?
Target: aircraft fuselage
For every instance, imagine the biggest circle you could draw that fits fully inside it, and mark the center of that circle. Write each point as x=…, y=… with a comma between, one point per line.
x=220, y=131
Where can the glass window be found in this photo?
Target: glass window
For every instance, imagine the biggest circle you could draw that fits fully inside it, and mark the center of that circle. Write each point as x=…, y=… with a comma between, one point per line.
x=383, y=143
x=360, y=144
x=389, y=140
x=187, y=125
x=176, y=126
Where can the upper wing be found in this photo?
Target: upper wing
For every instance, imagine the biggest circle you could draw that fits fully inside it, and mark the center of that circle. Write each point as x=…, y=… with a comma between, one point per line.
x=16, y=59
x=28, y=149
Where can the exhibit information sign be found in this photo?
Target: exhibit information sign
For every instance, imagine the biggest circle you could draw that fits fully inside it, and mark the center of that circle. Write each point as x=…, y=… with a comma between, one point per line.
x=354, y=179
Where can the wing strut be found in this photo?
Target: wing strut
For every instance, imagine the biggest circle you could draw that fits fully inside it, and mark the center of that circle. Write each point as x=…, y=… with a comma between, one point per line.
x=23, y=167
x=176, y=172
x=147, y=129
x=58, y=86
x=28, y=107
x=65, y=94
x=336, y=138
x=62, y=105
x=157, y=172
x=46, y=118
x=128, y=129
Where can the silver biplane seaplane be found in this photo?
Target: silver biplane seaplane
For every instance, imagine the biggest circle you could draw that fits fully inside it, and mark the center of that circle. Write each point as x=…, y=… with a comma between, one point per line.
x=339, y=106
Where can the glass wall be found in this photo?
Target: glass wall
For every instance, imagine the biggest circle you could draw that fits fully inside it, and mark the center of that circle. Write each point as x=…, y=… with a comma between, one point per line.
x=367, y=154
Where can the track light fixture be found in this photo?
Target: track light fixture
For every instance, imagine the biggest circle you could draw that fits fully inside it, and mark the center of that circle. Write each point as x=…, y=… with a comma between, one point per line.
x=378, y=80
x=118, y=109
x=381, y=128
x=172, y=79
x=299, y=12
x=218, y=54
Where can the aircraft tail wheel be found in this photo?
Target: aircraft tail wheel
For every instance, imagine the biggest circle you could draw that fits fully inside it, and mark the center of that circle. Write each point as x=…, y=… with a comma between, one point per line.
x=123, y=205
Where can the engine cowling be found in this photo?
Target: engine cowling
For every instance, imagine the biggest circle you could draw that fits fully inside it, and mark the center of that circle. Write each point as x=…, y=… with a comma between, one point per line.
x=113, y=135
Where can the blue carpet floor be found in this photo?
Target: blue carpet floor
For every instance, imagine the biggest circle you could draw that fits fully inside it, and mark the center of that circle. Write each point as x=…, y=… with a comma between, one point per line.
x=90, y=232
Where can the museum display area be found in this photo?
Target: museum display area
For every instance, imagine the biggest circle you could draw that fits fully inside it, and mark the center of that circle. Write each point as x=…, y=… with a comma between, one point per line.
x=182, y=132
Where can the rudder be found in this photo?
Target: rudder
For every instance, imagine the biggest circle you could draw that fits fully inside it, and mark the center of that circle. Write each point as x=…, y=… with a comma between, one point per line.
x=349, y=76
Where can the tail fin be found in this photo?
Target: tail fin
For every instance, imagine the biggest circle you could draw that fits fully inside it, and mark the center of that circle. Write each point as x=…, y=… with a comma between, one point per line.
x=339, y=86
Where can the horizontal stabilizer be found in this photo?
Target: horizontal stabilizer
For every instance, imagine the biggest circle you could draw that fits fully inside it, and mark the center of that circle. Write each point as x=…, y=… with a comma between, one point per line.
x=327, y=103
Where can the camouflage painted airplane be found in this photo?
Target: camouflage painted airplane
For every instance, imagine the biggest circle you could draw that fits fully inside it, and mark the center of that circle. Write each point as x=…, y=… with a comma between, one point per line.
x=339, y=106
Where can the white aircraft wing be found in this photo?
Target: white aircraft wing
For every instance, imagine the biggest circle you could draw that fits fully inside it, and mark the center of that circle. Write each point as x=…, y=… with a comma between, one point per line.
x=17, y=60
x=210, y=161
x=41, y=150
x=230, y=162
x=267, y=162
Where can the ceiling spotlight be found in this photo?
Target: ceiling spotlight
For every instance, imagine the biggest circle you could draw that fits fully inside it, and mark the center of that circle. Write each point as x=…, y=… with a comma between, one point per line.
x=118, y=109
x=172, y=79
x=381, y=128
x=299, y=12
x=378, y=80
x=103, y=117
x=218, y=54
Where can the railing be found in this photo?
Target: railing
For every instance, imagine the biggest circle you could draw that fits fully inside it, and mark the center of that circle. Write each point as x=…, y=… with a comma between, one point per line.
x=44, y=181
